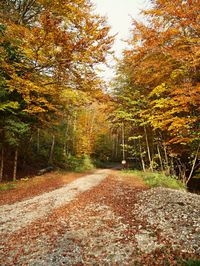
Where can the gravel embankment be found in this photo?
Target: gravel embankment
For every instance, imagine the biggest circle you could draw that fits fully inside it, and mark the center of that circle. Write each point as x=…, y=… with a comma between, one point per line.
x=176, y=214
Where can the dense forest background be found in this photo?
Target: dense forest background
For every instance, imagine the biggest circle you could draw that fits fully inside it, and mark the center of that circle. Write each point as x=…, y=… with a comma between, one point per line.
x=55, y=110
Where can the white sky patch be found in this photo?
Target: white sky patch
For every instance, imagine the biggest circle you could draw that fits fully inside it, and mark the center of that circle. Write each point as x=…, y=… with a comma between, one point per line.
x=119, y=14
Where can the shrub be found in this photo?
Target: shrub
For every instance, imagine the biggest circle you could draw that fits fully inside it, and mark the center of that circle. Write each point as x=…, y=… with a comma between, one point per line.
x=85, y=164
x=79, y=164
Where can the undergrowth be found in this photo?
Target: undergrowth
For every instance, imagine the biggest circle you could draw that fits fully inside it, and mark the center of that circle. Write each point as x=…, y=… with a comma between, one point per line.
x=157, y=179
x=80, y=164
x=190, y=263
x=4, y=187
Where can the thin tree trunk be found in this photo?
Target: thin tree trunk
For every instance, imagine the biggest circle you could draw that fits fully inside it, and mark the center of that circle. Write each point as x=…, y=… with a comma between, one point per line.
x=166, y=159
x=52, y=149
x=193, y=165
x=172, y=167
x=113, y=145
x=160, y=158
x=38, y=140
x=26, y=150
x=184, y=174
x=92, y=124
x=15, y=165
x=116, y=145
x=123, y=142
x=182, y=171
x=142, y=159
x=68, y=147
x=2, y=164
x=65, y=138
x=148, y=149
x=74, y=134
x=65, y=149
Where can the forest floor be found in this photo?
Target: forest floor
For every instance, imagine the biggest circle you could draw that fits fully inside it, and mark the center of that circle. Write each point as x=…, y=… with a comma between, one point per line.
x=102, y=218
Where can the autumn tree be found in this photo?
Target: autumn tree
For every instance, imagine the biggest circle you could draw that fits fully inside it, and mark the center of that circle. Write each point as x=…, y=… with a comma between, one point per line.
x=161, y=68
x=48, y=48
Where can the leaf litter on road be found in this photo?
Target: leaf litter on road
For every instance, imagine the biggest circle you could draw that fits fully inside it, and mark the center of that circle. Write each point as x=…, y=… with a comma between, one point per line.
x=102, y=226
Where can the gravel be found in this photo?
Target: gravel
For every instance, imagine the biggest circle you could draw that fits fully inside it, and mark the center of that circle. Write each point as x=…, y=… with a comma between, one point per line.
x=18, y=215
x=111, y=223
x=176, y=214
x=87, y=239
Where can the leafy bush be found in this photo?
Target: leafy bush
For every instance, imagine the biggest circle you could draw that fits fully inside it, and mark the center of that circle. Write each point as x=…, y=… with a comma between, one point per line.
x=158, y=179
x=79, y=164
x=85, y=164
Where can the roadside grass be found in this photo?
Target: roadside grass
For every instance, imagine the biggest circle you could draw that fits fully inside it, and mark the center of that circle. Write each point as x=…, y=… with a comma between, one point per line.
x=130, y=179
x=7, y=186
x=157, y=179
x=190, y=262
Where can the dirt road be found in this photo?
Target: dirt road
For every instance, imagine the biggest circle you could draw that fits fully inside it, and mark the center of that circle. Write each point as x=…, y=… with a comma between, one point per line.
x=101, y=219
x=40, y=206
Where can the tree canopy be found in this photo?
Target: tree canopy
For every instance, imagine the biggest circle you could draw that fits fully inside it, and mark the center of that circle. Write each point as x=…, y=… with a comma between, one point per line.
x=158, y=84
x=52, y=99
x=48, y=51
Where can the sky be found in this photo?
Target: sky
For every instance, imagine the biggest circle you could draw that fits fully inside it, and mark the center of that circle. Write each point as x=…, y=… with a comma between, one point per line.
x=119, y=13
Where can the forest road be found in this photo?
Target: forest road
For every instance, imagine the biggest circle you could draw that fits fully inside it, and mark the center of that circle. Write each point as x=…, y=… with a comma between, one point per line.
x=105, y=218
x=20, y=214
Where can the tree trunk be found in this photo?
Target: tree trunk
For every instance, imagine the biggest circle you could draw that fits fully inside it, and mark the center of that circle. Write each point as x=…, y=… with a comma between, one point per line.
x=166, y=159
x=65, y=139
x=123, y=142
x=148, y=149
x=113, y=145
x=173, y=172
x=160, y=158
x=116, y=145
x=74, y=135
x=15, y=165
x=182, y=171
x=38, y=140
x=193, y=165
x=52, y=149
x=65, y=149
x=2, y=164
x=92, y=123
x=142, y=159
